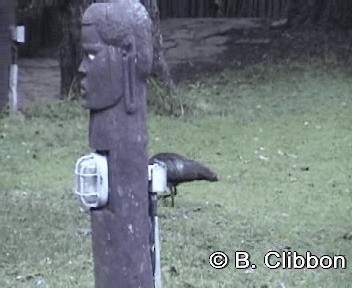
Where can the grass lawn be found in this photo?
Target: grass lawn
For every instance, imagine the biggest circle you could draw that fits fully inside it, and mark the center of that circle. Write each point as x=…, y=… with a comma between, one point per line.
x=280, y=137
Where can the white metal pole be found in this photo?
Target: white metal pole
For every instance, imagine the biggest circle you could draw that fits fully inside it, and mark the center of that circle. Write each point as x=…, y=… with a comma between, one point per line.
x=13, y=87
x=18, y=36
x=157, y=272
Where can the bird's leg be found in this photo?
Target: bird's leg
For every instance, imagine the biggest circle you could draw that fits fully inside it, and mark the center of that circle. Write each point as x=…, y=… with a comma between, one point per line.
x=173, y=193
x=172, y=197
x=164, y=200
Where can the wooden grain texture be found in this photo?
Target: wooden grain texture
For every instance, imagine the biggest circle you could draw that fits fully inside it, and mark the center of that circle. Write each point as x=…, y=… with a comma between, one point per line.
x=121, y=231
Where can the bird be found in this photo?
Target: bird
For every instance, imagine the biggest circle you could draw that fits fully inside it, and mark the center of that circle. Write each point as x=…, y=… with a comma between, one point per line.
x=180, y=169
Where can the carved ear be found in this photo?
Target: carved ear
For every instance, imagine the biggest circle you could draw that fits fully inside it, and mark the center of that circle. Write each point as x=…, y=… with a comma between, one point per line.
x=114, y=73
x=129, y=59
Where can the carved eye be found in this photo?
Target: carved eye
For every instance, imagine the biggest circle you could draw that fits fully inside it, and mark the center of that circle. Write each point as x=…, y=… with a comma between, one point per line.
x=128, y=47
x=91, y=57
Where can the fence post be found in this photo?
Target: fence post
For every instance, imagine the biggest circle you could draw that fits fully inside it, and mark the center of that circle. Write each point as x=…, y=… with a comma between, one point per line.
x=7, y=16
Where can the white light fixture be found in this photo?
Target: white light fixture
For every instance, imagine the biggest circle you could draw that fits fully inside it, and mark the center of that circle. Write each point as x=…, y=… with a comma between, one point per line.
x=91, y=183
x=157, y=176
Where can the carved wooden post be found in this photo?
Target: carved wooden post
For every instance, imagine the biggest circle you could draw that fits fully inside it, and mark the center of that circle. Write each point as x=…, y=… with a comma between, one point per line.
x=118, y=54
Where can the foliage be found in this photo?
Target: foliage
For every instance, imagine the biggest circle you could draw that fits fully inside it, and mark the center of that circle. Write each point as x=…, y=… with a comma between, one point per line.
x=167, y=104
x=280, y=137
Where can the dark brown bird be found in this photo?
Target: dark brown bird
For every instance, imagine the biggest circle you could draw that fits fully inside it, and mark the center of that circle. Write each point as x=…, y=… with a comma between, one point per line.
x=181, y=169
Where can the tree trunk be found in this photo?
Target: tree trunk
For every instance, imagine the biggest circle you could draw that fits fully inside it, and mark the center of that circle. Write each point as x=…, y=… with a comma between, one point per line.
x=160, y=66
x=70, y=47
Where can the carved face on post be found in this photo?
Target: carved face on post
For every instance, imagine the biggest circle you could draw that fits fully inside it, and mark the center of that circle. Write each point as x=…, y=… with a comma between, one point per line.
x=112, y=61
x=100, y=70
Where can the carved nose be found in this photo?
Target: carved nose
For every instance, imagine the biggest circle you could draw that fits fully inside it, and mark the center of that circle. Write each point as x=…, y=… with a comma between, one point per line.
x=81, y=69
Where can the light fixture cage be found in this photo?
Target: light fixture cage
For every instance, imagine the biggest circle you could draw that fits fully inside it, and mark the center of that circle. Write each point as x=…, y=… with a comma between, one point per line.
x=91, y=180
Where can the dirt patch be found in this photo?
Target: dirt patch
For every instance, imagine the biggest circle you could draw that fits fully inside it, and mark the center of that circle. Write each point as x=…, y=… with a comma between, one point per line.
x=194, y=47
x=200, y=39
x=254, y=46
x=39, y=79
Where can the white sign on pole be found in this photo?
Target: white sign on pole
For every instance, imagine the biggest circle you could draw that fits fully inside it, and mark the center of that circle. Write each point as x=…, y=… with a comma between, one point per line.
x=18, y=34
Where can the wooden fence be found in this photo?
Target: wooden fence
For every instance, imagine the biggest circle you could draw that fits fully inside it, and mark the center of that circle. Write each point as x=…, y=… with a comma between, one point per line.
x=42, y=17
x=222, y=8
x=193, y=8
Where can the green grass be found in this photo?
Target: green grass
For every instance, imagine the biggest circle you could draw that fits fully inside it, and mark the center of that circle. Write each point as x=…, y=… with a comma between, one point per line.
x=261, y=129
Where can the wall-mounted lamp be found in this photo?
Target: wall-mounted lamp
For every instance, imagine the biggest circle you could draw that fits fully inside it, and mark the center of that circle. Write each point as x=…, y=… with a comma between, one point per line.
x=91, y=180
